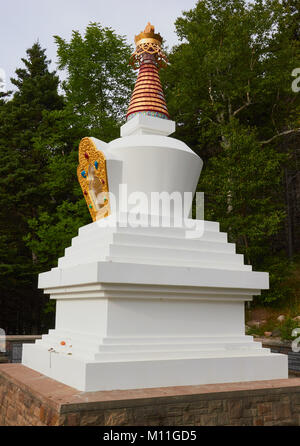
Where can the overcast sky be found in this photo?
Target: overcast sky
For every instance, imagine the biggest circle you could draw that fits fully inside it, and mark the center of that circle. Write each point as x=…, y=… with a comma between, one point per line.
x=22, y=22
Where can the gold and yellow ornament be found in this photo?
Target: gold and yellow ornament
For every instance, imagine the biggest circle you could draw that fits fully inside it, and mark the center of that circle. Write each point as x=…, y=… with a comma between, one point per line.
x=92, y=177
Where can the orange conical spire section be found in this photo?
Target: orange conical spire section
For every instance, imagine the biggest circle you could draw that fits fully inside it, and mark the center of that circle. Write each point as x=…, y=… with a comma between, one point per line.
x=148, y=97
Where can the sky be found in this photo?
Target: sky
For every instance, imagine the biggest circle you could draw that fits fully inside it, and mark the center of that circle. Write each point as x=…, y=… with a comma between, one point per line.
x=23, y=22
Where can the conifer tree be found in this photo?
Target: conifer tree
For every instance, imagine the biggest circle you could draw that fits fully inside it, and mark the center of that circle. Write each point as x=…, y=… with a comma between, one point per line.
x=22, y=174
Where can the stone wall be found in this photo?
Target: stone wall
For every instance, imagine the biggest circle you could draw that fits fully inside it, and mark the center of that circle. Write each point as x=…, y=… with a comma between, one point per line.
x=10, y=354
x=29, y=398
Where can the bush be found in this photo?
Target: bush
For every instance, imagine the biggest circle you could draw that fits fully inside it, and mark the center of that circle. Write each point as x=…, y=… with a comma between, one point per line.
x=287, y=327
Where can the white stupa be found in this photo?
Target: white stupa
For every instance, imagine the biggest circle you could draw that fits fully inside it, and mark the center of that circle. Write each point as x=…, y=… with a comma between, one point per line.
x=148, y=306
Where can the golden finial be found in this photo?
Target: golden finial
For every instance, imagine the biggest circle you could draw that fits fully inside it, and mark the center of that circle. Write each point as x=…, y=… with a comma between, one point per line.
x=148, y=36
x=148, y=42
x=149, y=28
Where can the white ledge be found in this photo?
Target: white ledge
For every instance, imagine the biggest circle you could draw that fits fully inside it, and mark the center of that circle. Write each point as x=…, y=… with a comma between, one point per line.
x=148, y=125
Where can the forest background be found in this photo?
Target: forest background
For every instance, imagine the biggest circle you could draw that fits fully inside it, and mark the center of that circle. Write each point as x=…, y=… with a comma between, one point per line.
x=231, y=86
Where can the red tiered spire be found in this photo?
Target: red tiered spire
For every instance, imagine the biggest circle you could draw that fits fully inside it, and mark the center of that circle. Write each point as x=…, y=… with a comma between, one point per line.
x=148, y=96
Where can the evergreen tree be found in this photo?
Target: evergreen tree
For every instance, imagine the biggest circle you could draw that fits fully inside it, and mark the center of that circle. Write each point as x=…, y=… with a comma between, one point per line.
x=22, y=185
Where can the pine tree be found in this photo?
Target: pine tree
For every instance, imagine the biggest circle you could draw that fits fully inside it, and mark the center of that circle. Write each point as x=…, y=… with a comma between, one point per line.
x=22, y=173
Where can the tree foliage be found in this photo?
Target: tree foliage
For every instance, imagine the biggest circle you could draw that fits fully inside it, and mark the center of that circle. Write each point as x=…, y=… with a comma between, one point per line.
x=228, y=86
x=99, y=79
x=41, y=202
x=22, y=186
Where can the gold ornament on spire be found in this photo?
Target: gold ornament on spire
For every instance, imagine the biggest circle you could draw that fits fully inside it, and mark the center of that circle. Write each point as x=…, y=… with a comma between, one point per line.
x=148, y=97
x=147, y=42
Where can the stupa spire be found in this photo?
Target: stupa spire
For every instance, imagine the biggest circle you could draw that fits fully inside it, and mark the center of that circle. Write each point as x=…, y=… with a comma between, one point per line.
x=148, y=97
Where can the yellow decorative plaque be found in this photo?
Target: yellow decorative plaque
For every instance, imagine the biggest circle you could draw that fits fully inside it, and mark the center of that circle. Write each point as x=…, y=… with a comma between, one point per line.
x=92, y=177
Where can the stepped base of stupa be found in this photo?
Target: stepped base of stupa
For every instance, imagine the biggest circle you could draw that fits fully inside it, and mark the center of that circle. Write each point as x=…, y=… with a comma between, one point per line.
x=148, y=307
x=91, y=376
